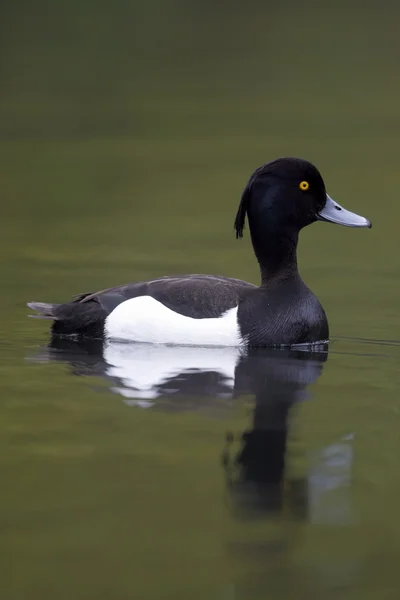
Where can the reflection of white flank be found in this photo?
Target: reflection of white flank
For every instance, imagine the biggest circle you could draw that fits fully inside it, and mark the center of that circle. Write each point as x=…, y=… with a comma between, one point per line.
x=142, y=368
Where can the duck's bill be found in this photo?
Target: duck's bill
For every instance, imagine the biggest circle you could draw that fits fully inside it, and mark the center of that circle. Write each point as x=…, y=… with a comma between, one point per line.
x=334, y=213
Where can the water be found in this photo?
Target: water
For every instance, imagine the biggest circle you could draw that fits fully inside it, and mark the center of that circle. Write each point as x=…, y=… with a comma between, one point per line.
x=127, y=133
x=169, y=471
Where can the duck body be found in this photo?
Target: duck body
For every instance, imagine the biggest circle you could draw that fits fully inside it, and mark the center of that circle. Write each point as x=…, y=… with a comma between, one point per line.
x=202, y=310
x=209, y=310
x=188, y=309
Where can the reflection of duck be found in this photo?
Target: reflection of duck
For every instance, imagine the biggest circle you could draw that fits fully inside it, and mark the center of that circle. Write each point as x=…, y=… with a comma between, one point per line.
x=257, y=474
x=275, y=487
x=143, y=373
x=280, y=199
x=146, y=372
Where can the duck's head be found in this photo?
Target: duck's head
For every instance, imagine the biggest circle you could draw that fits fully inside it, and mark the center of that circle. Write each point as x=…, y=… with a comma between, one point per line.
x=286, y=195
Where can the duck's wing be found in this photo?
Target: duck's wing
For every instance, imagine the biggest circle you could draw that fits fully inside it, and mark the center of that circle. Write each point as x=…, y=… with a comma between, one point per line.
x=196, y=296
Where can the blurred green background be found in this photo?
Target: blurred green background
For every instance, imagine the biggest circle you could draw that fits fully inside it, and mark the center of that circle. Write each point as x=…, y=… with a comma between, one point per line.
x=127, y=133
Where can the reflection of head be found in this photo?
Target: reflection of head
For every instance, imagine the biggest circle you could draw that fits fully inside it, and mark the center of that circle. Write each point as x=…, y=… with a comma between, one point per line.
x=256, y=476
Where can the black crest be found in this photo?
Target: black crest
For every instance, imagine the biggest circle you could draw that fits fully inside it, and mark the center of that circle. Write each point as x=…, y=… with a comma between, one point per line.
x=242, y=211
x=245, y=201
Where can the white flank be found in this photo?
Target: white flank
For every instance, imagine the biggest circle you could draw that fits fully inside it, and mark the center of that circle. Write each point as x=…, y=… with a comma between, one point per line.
x=144, y=319
x=142, y=368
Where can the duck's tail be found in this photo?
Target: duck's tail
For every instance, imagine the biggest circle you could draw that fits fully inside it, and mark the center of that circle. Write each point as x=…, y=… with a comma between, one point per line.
x=45, y=310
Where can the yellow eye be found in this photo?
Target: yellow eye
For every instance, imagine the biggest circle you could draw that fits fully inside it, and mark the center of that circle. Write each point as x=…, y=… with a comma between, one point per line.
x=304, y=185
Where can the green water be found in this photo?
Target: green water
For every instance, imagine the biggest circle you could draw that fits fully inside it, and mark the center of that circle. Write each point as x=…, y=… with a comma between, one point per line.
x=127, y=133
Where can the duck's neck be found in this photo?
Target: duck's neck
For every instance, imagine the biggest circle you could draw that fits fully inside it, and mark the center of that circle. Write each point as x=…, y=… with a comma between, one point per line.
x=276, y=251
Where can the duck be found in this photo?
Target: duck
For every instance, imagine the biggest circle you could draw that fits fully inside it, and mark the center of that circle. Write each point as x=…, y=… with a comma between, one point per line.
x=281, y=198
